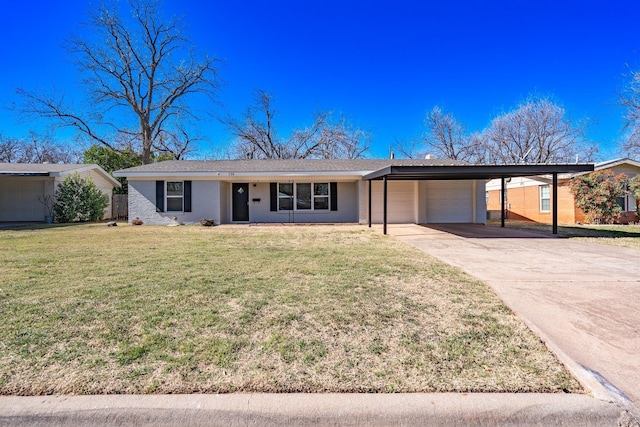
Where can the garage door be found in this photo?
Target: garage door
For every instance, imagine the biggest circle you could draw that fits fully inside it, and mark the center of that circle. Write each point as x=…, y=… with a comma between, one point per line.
x=449, y=201
x=18, y=199
x=400, y=204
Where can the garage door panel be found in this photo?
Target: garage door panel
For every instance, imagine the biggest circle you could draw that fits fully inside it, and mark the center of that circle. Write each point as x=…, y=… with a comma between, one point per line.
x=18, y=200
x=449, y=202
x=400, y=205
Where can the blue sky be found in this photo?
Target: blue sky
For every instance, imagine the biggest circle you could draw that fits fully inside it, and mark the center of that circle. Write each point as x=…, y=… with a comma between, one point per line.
x=382, y=64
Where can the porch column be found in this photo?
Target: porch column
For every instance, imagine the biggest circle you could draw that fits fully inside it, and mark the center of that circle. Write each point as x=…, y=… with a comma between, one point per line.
x=369, y=206
x=554, y=209
x=384, y=207
x=502, y=193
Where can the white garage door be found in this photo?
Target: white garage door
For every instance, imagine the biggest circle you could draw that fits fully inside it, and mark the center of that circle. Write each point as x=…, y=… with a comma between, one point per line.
x=400, y=204
x=19, y=201
x=449, y=201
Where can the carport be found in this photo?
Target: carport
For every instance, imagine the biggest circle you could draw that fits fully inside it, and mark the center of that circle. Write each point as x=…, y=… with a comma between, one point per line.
x=471, y=172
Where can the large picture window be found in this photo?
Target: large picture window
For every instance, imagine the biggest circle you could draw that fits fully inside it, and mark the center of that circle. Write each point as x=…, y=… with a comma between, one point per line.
x=175, y=196
x=303, y=196
x=545, y=199
x=285, y=197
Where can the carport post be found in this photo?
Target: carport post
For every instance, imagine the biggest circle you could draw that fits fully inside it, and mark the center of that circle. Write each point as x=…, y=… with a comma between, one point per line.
x=502, y=193
x=555, y=203
x=370, y=182
x=384, y=207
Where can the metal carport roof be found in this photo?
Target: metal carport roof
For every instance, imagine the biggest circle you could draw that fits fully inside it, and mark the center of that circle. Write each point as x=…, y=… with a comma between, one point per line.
x=474, y=171
x=458, y=172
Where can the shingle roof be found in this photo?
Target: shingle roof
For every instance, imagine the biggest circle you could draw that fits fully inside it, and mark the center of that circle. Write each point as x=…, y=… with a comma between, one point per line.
x=38, y=168
x=52, y=169
x=616, y=162
x=278, y=166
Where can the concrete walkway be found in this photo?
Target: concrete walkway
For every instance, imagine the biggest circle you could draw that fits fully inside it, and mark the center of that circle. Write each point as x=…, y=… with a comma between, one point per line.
x=581, y=298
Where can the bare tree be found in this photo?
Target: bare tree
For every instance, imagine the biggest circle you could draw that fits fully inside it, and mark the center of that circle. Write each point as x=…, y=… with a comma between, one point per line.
x=630, y=99
x=329, y=138
x=537, y=132
x=138, y=71
x=175, y=144
x=445, y=138
x=255, y=135
x=36, y=148
x=326, y=138
x=11, y=150
x=409, y=149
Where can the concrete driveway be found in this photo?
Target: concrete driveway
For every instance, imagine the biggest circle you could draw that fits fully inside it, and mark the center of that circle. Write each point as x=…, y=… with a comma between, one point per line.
x=582, y=299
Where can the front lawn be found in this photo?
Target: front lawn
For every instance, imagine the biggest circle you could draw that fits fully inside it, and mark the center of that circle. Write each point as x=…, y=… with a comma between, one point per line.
x=89, y=309
x=627, y=236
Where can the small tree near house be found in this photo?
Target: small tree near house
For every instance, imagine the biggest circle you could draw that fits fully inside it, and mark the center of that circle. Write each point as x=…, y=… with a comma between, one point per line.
x=597, y=194
x=78, y=200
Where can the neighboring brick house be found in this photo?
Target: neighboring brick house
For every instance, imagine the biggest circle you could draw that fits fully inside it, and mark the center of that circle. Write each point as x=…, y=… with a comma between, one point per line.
x=529, y=198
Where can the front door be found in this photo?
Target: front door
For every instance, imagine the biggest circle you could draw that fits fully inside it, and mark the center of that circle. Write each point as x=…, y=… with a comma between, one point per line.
x=240, y=208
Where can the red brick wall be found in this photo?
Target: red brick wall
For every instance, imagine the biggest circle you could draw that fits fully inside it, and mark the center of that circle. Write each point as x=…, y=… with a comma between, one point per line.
x=523, y=203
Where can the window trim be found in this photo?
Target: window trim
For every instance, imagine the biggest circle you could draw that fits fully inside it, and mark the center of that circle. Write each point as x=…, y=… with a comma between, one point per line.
x=167, y=196
x=294, y=197
x=541, y=198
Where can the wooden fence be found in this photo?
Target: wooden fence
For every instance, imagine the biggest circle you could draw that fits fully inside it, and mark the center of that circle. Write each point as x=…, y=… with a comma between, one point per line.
x=119, y=206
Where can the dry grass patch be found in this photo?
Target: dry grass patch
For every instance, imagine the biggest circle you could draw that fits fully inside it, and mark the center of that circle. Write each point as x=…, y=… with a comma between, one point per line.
x=91, y=309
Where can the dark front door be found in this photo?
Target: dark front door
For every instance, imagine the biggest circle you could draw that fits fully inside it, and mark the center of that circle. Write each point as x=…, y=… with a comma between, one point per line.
x=240, y=202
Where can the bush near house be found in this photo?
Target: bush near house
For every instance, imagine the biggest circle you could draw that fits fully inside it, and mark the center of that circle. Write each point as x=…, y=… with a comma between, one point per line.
x=596, y=194
x=79, y=200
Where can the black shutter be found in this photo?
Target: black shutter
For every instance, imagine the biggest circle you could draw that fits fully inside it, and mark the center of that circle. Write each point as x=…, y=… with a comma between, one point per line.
x=187, y=196
x=159, y=196
x=274, y=196
x=333, y=190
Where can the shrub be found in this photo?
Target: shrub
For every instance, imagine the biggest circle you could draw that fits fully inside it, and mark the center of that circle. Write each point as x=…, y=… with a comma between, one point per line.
x=596, y=194
x=207, y=222
x=78, y=199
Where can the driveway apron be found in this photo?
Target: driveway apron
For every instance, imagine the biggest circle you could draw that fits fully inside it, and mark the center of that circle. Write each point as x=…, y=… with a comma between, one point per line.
x=581, y=298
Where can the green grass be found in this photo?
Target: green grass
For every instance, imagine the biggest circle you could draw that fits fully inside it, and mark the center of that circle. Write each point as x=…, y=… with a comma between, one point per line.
x=615, y=235
x=88, y=309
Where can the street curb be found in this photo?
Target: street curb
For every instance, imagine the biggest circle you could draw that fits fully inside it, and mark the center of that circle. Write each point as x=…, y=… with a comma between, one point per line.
x=446, y=409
